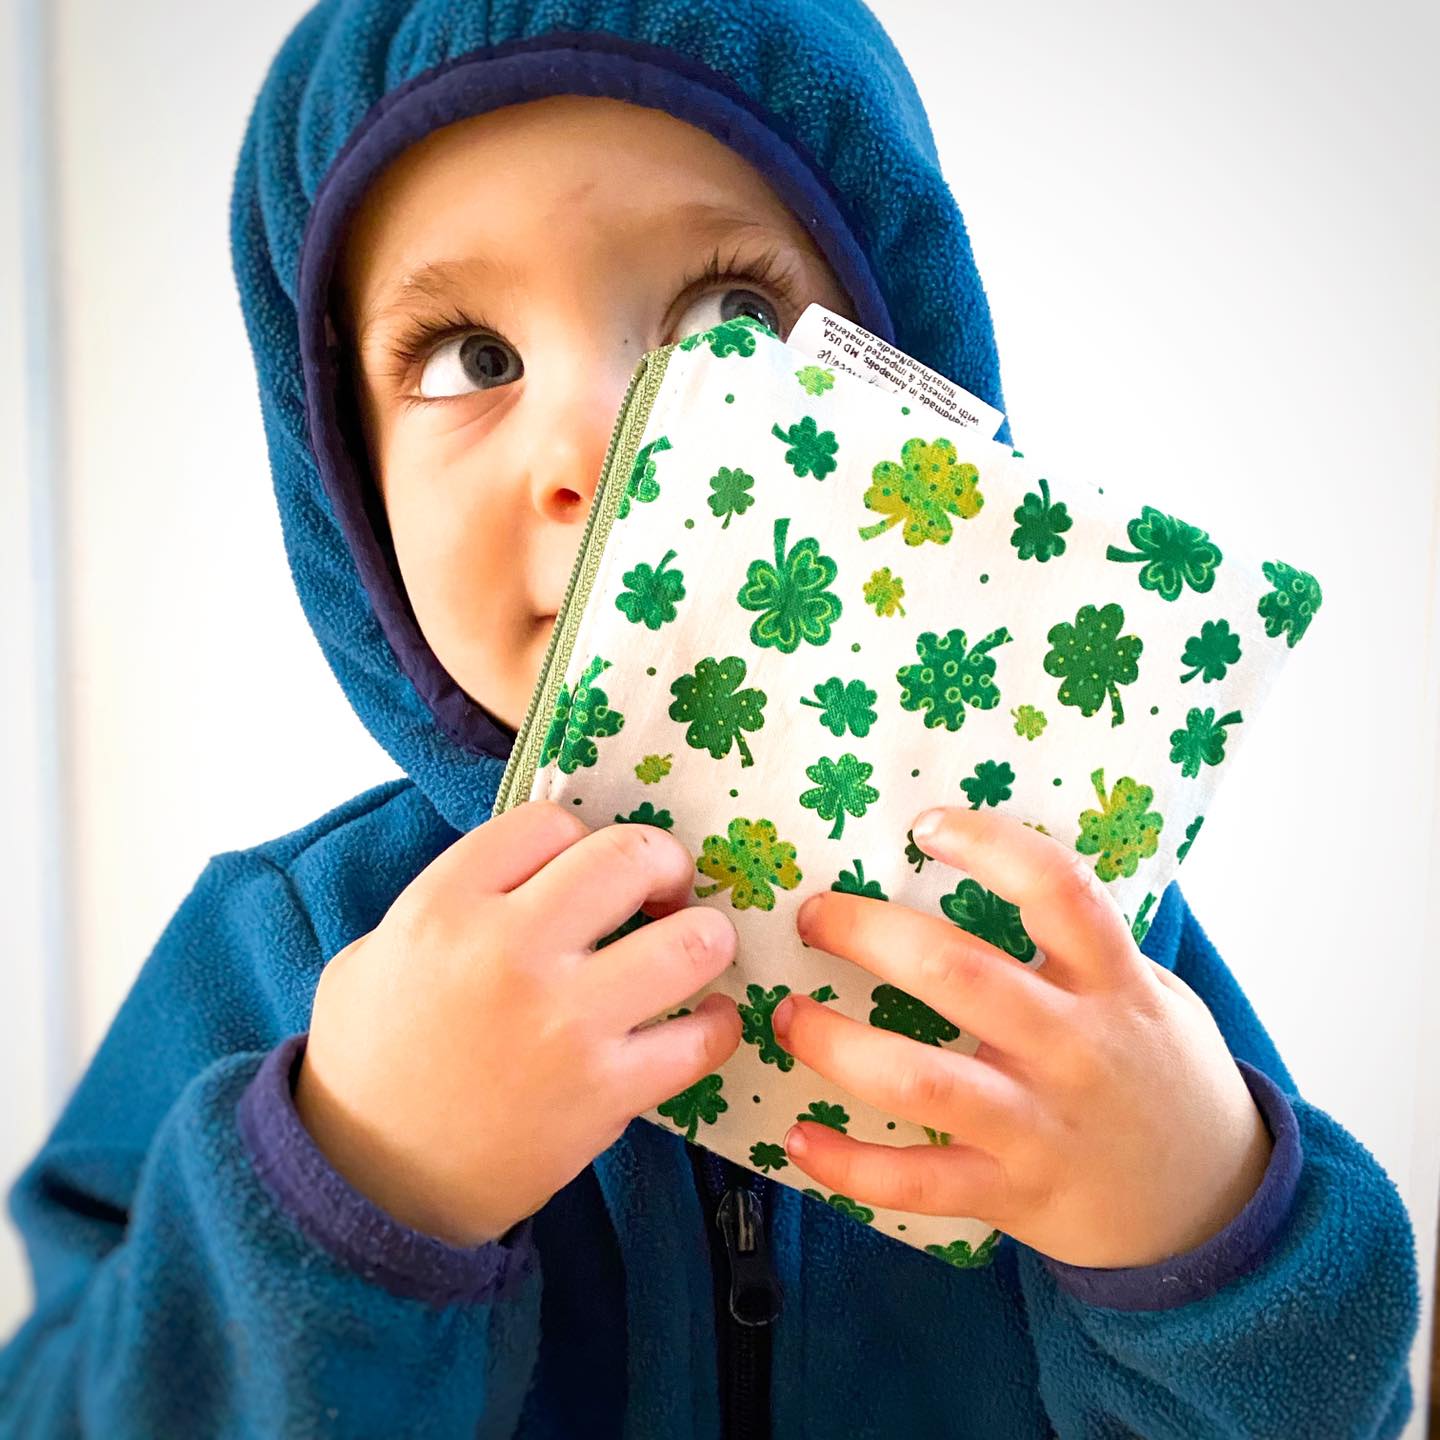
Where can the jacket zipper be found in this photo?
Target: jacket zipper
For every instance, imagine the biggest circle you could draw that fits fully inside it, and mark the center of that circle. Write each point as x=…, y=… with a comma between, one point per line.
x=748, y=1300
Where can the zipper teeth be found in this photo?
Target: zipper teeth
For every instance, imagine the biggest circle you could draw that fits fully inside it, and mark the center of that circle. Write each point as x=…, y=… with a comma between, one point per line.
x=520, y=768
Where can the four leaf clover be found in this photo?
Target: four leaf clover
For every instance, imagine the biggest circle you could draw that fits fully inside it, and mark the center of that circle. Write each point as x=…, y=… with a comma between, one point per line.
x=650, y=596
x=840, y=789
x=844, y=706
x=747, y=861
x=715, y=709
x=812, y=451
x=1173, y=554
x=731, y=493
x=792, y=595
x=1093, y=658
x=923, y=490
x=1124, y=831
x=1040, y=526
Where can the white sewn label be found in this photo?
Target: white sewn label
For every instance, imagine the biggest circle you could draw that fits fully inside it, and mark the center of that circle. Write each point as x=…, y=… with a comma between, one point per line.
x=833, y=340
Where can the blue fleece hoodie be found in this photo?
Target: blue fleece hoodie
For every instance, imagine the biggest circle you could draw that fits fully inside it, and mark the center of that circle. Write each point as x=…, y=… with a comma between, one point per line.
x=200, y=1270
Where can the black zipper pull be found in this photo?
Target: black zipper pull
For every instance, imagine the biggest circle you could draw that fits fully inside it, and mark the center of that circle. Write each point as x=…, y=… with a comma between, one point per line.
x=755, y=1293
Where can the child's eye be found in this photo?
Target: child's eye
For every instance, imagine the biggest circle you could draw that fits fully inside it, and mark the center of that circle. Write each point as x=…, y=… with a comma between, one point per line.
x=476, y=360
x=732, y=302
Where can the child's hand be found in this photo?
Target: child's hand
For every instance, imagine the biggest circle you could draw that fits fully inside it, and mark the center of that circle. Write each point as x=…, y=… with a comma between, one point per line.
x=471, y=1055
x=1102, y=1121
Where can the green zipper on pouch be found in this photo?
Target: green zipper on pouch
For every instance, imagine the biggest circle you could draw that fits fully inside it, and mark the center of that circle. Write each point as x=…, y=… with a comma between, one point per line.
x=635, y=408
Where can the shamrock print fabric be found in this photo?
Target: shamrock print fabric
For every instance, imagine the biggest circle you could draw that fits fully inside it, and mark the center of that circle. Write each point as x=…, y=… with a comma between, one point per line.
x=803, y=612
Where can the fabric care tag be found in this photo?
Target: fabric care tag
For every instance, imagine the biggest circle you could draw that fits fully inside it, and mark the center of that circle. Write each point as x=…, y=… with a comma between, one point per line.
x=833, y=340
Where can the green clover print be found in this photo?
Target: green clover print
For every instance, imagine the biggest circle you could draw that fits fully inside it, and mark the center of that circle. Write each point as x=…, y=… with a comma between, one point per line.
x=578, y=720
x=651, y=595
x=1212, y=651
x=642, y=486
x=811, y=450
x=735, y=336
x=716, y=709
x=1172, y=554
x=1123, y=831
x=731, y=493
x=884, y=592
x=757, y=1021
x=813, y=380
x=1040, y=526
x=702, y=1101
x=747, y=861
x=947, y=679
x=1093, y=659
x=791, y=595
x=844, y=706
x=989, y=917
x=1201, y=741
x=1291, y=605
x=990, y=784
x=923, y=490
x=840, y=789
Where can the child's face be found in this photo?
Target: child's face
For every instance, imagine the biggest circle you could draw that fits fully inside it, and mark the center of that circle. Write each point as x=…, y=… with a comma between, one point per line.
x=566, y=233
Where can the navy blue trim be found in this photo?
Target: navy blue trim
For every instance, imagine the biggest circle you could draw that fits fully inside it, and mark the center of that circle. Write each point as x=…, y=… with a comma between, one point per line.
x=1240, y=1248
x=348, y=1225
x=556, y=63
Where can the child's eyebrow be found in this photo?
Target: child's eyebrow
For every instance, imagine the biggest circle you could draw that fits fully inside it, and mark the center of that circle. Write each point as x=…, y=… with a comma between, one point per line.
x=444, y=280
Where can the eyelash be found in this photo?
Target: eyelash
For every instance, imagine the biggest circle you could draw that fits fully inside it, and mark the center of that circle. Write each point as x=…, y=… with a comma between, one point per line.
x=425, y=334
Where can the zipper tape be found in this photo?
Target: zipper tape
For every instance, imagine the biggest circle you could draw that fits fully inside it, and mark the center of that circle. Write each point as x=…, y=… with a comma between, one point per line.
x=640, y=394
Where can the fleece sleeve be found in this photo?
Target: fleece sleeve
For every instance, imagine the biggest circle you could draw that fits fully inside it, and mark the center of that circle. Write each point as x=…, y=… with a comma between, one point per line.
x=181, y=1288
x=1297, y=1319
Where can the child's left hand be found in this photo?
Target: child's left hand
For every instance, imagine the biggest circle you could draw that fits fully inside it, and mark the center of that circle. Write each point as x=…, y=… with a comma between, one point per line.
x=1102, y=1121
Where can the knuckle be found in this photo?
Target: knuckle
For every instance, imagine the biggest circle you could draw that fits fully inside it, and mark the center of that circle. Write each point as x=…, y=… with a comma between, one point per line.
x=551, y=820
x=926, y=1088
x=916, y=1189
x=953, y=963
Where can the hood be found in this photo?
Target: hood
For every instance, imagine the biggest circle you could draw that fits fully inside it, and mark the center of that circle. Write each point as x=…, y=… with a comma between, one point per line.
x=812, y=93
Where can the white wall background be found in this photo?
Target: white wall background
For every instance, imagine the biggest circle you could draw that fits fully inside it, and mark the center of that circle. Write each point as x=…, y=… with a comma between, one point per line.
x=1214, y=233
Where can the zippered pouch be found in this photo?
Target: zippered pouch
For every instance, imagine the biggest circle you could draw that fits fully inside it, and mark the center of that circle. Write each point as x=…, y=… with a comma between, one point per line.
x=804, y=610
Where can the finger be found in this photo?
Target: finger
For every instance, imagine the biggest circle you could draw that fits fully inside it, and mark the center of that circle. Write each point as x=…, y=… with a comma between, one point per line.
x=1064, y=905
x=928, y=1085
x=656, y=967
x=922, y=1179
x=651, y=1065
x=602, y=879
x=968, y=981
x=509, y=848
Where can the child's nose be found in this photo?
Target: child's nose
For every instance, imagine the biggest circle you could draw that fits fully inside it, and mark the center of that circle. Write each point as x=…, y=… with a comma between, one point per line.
x=570, y=451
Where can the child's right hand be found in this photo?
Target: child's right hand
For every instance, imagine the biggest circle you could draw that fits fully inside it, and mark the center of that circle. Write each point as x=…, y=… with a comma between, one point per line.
x=472, y=1054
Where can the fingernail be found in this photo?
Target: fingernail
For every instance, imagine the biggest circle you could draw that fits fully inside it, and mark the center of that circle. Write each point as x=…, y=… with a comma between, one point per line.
x=795, y=1140
x=805, y=915
x=780, y=1020
x=927, y=826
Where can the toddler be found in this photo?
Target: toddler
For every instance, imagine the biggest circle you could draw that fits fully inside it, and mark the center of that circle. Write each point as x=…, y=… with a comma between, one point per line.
x=360, y=1154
